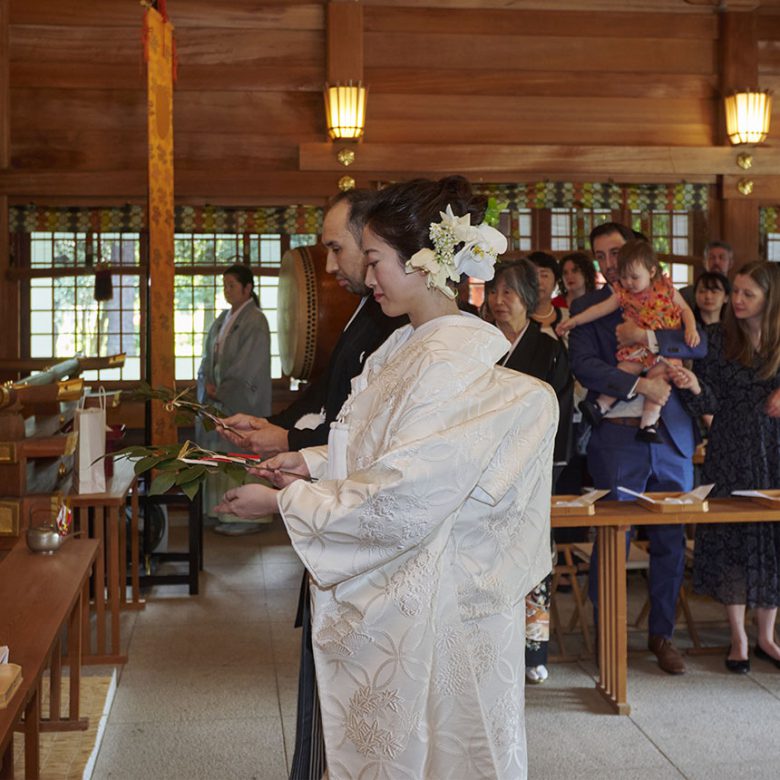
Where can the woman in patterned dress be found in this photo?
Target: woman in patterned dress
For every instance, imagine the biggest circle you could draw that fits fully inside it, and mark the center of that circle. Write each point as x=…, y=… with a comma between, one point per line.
x=738, y=383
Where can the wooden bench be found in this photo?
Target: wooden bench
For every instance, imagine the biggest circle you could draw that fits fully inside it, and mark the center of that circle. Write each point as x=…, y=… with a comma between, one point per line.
x=41, y=595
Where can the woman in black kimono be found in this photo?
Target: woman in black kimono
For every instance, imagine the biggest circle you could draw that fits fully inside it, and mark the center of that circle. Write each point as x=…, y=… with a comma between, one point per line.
x=510, y=297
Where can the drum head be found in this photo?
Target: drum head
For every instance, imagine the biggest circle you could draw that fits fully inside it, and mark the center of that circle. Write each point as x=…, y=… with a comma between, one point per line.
x=313, y=311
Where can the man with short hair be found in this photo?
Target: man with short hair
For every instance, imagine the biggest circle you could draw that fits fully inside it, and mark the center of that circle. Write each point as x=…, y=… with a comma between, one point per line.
x=368, y=328
x=719, y=257
x=616, y=458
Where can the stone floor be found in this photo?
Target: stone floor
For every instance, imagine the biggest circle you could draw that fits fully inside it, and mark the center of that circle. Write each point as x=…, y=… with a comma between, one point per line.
x=209, y=690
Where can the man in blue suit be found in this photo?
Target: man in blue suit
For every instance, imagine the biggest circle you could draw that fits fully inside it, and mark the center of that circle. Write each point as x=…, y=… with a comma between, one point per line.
x=616, y=457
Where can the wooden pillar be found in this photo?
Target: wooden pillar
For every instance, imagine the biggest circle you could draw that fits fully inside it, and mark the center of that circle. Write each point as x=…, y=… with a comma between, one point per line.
x=160, y=219
x=9, y=290
x=345, y=41
x=345, y=51
x=5, y=92
x=739, y=216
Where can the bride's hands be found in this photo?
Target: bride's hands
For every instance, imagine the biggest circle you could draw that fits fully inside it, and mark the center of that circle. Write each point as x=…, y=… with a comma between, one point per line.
x=248, y=501
x=282, y=469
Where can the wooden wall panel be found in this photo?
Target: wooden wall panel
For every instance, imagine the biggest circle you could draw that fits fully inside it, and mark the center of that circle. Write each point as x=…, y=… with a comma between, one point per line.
x=289, y=15
x=226, y=112
x=82, y=150
x=194, y=46
x=229, y=77
x=443, y=81
x=286, y=76
x=54, y=111
x=97, y=46
x=234, y=46
x=572, y=23
x=269, y=114
x=677, y=7
x=557, y=53
x=531, y=131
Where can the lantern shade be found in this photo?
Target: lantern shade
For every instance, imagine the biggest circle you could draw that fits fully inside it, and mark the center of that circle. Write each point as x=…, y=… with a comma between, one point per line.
x=747, y=116
x=345, y=110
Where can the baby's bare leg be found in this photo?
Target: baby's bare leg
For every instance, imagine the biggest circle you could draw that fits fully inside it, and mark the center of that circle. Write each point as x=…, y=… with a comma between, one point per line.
x=651, y=412
x=605, y=401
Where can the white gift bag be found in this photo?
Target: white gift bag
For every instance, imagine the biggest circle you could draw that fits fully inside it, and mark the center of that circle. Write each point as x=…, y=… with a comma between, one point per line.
x=89, y=474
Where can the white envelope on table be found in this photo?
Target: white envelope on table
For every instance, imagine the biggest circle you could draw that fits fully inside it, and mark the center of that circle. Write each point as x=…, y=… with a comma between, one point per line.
x=691, y=497
x=586, y=499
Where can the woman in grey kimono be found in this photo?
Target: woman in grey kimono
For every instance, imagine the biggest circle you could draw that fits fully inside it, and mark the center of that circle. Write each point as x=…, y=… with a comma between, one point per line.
x=234, y=375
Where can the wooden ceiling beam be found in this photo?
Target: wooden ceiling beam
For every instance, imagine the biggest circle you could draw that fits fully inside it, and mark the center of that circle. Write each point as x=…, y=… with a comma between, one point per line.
x=766, y=190
x=542, y=160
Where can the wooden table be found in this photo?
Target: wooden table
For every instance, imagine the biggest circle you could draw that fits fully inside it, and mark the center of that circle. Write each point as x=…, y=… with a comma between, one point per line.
x=102, y=516
x=612, y=520
x=39, y=596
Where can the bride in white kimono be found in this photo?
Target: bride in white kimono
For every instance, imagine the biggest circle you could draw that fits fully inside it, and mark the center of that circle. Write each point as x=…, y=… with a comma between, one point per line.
x=425, y=521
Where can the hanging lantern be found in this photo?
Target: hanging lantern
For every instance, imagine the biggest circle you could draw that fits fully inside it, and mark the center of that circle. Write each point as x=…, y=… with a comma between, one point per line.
x=748, y=114
x=345, y=110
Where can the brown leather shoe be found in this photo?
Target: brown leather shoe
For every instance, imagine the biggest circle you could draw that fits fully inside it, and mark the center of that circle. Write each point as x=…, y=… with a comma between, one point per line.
x=669, y=658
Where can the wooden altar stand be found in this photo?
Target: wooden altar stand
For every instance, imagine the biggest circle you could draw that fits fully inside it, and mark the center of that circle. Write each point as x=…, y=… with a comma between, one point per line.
x=101, y=516
x=36, y=445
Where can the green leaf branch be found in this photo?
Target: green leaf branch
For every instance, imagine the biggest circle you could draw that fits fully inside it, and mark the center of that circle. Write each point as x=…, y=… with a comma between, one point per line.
x=183, y=403
x=177, y=466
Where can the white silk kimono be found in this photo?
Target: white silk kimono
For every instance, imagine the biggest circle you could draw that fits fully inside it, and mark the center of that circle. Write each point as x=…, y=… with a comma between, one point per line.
x=426, y=526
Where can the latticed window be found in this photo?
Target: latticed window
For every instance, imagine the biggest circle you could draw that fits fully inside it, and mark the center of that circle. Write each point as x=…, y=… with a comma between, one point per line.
x=64, y=317
x=517, y=226
x=773, y=247
x=570, y=228
x=670, y=233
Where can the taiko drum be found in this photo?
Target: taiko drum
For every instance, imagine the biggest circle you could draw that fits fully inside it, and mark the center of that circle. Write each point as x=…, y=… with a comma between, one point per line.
x=313, y=311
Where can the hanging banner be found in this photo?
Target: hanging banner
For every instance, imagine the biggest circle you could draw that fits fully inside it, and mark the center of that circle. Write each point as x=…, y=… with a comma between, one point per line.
x=160, y=57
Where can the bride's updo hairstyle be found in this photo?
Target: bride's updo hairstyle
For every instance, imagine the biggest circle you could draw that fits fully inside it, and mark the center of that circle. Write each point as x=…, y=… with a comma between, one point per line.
x=402, y=213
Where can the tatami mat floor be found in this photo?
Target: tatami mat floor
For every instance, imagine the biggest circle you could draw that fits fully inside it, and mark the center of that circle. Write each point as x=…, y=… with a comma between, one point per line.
x=209, y=691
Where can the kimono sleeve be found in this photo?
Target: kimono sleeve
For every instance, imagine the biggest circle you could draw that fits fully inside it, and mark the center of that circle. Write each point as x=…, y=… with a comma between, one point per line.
x=316, y=460
x=437, y=452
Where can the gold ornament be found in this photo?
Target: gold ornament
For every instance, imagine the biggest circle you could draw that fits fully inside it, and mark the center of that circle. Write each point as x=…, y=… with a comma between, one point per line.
x=346, y=183
x=346, y=157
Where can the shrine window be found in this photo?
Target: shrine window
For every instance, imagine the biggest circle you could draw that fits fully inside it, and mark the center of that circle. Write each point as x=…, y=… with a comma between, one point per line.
x=773, y=247
x=63, y=317
x=570, y=228
x=670, y=234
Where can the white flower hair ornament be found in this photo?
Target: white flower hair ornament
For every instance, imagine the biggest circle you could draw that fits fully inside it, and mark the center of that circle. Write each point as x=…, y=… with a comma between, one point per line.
x=481, y=245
